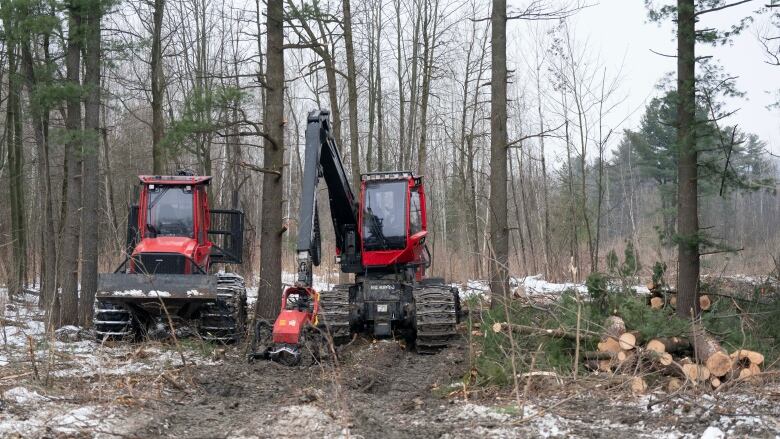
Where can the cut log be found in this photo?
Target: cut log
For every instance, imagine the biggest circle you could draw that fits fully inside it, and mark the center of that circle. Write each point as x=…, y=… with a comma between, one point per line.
x=709, y=352
x=668, y=344
x=753, y=357
x=715, y=382
x=638, y=385
x=673, y=385
x=598, y=355
x=614, y=327
x=655, y=345
x=719, y=363
x=745, y=373
x=705, y=302
x=673, y=301
x=609, y=345
x=754, y=369
x=666, y=359
x=605, y=365
x=696, y=372
x=622, y=356
x=656, y=303
x=630, y=340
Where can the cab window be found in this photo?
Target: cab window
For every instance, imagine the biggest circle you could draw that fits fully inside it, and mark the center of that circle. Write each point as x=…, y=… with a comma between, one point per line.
x=170, y=211
x=384, y=215
x=415, y=213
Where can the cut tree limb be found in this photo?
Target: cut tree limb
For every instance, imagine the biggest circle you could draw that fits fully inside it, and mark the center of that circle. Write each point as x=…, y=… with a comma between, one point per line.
x=638, y=385
x=599, y=355
x=704, y=302
x=696, y=372
x=668, y=344
x=673, y=385
x=609, y=345
x=754, y=357
x=614, y=327
x=710, y=353
x=530, y=330
x=630, y=340
x=656, y=302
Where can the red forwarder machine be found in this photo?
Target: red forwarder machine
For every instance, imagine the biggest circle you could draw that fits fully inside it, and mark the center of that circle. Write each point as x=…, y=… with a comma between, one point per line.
x=174, y=241
x=381, y=238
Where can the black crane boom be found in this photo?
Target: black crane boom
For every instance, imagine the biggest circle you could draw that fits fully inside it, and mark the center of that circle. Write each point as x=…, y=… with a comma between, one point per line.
x=322, y=159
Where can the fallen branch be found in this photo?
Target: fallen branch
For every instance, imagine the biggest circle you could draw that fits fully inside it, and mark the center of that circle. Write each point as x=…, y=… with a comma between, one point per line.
x=530, y=330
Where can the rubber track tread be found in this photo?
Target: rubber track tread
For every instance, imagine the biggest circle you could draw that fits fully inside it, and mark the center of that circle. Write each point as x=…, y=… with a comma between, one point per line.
x=112, y=321
x=435, y=318
x=224, y=320
x=333, y=317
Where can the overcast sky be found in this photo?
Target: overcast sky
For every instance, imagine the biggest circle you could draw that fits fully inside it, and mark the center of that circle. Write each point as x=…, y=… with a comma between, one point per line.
x=619, y=30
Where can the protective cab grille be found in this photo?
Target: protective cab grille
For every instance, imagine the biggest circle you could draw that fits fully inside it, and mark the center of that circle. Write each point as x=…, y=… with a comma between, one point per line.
x=160, y=263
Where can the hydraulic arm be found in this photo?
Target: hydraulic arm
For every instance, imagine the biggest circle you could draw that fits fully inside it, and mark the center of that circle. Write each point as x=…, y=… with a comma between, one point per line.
x=323, y=160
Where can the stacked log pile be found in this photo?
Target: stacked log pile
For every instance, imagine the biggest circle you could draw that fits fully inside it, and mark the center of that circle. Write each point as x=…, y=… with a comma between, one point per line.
x=698, y=359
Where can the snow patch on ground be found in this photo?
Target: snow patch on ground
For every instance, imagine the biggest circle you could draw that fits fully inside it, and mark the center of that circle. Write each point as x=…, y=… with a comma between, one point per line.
x=531, y=287
x=544, y=425
x=713, y=433
x=22, y=395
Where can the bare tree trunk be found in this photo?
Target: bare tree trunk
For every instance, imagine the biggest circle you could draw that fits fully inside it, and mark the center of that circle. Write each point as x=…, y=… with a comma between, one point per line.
x=90, y=186
x=69, y=310
x=517, y=213
x=372, y=62
x=401, y=96
x=354, y=145
x=48, y=249
x=380, y=152
x=499, y=239
x=327, y=59
x=687, y=199
x=15, y=160
x=411, y=123
x=270, y=289
x=526, y=210
x=429, y=44
x=158, y=89
x=545, y=192
x=573, y=244
x=473, y=222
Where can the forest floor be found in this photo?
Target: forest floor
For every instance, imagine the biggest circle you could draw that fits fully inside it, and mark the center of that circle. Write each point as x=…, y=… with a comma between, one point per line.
x=79, y=388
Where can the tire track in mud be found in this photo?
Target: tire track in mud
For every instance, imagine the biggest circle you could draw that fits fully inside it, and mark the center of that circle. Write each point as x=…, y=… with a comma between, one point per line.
x=386, y=389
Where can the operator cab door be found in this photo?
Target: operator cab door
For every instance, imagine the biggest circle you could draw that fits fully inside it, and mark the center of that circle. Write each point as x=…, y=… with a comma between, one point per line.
x=202, y=224
x=418, y=228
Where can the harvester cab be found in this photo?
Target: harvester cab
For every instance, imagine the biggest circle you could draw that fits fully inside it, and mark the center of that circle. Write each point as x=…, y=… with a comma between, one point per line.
x=381, y=239
x=174, y=241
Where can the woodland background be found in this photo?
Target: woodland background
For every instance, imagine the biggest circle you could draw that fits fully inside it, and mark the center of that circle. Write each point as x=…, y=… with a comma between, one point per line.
x=94, y=93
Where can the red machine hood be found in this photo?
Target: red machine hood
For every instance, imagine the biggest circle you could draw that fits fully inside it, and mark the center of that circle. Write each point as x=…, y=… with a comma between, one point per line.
x=167, y=244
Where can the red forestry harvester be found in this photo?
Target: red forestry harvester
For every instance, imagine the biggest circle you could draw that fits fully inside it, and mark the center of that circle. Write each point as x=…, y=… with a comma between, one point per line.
x=173, y=242
x=381, y=238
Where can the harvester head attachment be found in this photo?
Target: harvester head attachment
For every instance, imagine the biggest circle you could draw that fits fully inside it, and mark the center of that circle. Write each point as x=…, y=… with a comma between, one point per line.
x=293, y=335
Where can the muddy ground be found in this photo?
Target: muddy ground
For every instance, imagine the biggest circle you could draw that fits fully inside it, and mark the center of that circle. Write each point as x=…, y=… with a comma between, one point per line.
x=378, y=390
x=383, y=390
x=75, y=387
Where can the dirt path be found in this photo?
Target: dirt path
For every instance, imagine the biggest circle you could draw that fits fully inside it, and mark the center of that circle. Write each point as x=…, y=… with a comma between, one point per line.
x=380, y=390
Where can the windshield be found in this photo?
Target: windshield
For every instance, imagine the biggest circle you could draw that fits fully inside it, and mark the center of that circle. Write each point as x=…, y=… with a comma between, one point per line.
x=384, y=215
x=170, y=211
